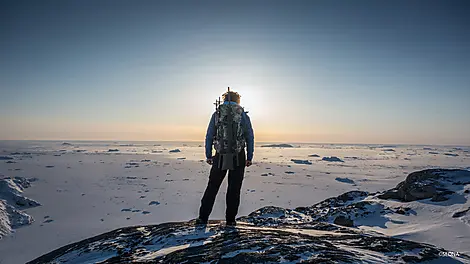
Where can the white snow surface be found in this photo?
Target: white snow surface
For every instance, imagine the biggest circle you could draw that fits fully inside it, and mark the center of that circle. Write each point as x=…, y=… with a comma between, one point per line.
x=83, y=188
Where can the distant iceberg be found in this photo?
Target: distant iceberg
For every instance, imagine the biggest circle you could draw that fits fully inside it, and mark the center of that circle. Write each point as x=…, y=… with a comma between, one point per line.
x=174, y=151
x=332, y=159
x=277, y=146
x=296, y=161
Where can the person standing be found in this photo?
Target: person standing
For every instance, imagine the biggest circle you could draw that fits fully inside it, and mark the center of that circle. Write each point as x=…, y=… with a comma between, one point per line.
x=230, y=131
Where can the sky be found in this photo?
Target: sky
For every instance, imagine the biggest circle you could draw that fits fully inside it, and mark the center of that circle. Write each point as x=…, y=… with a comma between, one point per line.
x=307, y=71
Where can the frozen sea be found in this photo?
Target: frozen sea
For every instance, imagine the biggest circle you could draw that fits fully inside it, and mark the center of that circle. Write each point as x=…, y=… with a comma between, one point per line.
x=89, y=187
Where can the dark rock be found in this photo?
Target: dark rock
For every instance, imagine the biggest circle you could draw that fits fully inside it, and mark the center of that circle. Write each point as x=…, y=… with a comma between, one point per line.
x=461, y=213
x=314, y=156
x=113, y=150
x=390, y=194
x=442, y=196
x=343, y=221
x=400, y=211
x=467, y=191
x=420, y=192
x=175, y=151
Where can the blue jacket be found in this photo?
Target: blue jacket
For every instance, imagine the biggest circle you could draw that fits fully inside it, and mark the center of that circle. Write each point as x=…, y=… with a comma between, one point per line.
x=249, y=137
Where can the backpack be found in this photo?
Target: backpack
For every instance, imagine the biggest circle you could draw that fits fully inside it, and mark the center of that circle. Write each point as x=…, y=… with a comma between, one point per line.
x=229, y=137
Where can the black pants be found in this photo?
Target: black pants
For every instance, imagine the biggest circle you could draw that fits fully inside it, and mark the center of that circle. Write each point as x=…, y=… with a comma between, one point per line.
x=235, y=179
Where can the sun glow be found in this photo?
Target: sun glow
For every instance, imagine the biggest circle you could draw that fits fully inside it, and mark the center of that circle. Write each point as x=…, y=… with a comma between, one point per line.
x=252, y=99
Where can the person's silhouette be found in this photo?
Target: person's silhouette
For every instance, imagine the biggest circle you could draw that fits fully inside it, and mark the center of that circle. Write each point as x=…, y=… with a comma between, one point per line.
x=229, y=130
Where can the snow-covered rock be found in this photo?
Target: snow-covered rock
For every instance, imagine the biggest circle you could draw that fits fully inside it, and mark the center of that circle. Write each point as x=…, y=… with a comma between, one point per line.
x=437, y=184
x=5, y=227
x=292, y=243
x=11, y=190
x=11, y=199
x=17, y=218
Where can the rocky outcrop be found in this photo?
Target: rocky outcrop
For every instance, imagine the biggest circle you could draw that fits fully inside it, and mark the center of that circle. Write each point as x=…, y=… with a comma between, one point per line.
x=184, y=243
x=433, y=183
x=350, y=206
x=11, y=190
x=11, y=203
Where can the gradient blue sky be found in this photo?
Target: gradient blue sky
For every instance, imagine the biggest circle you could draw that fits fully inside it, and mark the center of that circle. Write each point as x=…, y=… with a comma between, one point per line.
x=308, y=71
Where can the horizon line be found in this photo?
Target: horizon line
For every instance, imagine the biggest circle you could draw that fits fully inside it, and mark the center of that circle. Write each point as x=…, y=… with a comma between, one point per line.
x=272, y=142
